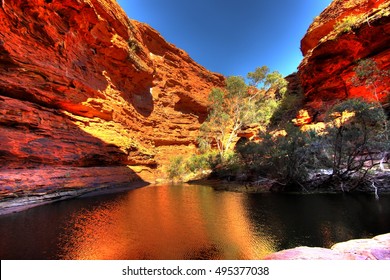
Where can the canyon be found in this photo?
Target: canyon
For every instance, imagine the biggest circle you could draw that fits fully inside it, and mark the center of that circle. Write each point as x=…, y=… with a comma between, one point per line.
x=90, y=98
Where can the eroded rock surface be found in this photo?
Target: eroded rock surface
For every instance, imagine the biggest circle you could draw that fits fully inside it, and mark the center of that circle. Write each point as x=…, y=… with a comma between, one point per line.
x=82, y=86
x=346, y=32
x=377, y=248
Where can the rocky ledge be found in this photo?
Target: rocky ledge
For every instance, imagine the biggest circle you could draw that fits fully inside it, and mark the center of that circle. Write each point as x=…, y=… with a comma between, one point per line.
x=26, y=188
x=377, y=248
x=343, y=34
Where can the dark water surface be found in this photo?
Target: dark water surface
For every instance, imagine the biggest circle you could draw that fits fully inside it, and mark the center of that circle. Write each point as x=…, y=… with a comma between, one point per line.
x=188, y=222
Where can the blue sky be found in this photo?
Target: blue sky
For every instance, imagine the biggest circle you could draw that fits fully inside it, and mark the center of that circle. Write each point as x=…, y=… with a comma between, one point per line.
x=232, y=37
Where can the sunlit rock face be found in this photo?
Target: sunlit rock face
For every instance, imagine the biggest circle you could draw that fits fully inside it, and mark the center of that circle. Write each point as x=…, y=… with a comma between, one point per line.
x=343, y=34
x=83, y=86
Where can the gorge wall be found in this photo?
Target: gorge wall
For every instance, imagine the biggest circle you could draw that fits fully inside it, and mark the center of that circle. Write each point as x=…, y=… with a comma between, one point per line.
x=91, y=98
x=344, y=33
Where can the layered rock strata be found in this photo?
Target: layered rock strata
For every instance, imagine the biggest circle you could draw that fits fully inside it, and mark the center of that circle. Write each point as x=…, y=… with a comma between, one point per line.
x=345, y=33
x=89, y=97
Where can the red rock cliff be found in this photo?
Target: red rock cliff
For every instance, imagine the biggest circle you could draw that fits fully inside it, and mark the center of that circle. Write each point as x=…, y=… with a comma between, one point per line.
x=89, y=97
x=346, y=32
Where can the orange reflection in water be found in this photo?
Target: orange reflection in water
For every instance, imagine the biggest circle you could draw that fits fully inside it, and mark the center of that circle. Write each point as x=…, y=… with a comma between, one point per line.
x=166, y=222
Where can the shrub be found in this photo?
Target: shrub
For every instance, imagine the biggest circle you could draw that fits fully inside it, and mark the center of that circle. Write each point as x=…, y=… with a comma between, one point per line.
x=203, y=161
x=347, y=24
x=133, y=45
x=357, y=134
x=176, y=168
x=289, y=106
x=230, y=168
x=367, y=73
x=181, y=169
x=282, y=158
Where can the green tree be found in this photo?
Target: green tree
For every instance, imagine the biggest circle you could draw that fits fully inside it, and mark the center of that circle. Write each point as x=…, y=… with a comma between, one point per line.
x=176, y=168
x=353, y=144
x=268, y=82
x=268, y=90
x=285, y=159
x=239, y=104
x=275, y=81
x=367, y=73
x=355, y=139
x=258, y=76
x=228, y=111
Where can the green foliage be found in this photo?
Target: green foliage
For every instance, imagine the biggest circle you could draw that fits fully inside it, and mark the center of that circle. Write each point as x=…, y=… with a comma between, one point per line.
x=201, y=162
x=239, y=105
x=180, y=168
x=276, y=81
x=355, y=139
x=216, y=97
x=288, y=107
x=368, y=74
x=366, y=70
x=353, y=142
x=228, y=112
x=281, y=158
x=357, y=134
x=291, y=155
x=176, y=168
x=266, y=111
x=236, y=87
x=133, y=45
x=230, y=168
x=347, y=23
x=269, y=81
x=258, y=76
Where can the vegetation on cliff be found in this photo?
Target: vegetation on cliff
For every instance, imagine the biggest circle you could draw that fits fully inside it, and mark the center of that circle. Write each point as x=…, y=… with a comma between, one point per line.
x=343, y=153
x=368, y=74
x=343, y=36
x=231, y=109
x=239, y=105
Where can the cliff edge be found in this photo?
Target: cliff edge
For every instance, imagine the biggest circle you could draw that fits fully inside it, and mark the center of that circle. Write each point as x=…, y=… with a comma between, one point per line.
x=345, y=33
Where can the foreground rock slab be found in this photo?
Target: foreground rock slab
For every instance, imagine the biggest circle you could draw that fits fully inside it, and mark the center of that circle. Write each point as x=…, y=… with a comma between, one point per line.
x=377, y=248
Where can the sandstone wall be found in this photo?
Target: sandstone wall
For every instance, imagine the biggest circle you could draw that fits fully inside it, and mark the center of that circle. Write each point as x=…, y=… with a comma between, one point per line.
x=346, y=32
x=82, y=86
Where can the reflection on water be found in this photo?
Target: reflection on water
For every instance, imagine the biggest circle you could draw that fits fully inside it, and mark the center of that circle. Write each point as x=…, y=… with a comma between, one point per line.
x=188, y=222
x=165, y=223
